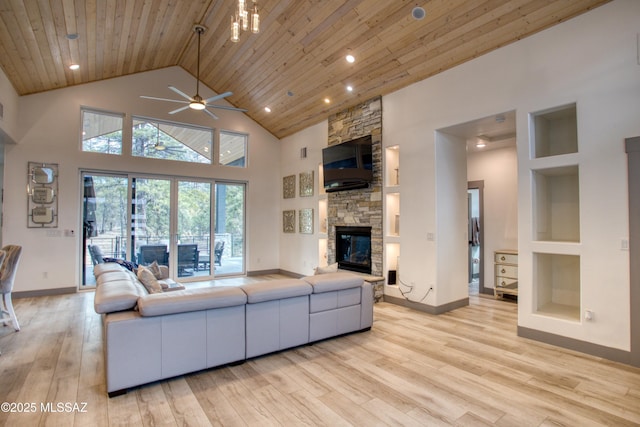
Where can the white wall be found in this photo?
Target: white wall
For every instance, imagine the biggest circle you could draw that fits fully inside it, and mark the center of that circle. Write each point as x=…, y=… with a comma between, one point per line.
x=499, y=171
x=299, y=252
x=590, y=60
x=49, y=131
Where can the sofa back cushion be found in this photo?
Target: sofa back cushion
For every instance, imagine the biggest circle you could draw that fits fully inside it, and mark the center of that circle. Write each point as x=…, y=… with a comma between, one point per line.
x=191, y=300
x=116, y=295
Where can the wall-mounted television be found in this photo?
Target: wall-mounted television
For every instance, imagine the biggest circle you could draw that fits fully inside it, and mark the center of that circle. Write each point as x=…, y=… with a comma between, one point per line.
x=348, y=165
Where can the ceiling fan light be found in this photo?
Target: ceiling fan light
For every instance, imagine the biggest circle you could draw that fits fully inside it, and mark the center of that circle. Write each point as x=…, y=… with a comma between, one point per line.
x=197, y=105
x=159, y=147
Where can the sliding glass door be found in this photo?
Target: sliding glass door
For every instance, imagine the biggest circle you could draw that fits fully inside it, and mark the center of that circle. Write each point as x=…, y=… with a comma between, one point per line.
x=166, y=220
x=105, y=221
x=229, y=229
x=194, y=229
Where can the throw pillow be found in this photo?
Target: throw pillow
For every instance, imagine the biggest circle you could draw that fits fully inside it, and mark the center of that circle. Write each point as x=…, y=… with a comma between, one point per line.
x=328, y=269
x=155, y=269
x=149, y=280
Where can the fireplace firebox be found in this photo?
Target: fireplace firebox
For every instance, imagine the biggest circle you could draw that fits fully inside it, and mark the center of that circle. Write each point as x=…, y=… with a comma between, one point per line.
x=353, y=248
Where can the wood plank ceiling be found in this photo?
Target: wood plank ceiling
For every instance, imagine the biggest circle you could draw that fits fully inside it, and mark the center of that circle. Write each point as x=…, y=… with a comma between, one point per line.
x=292, y=65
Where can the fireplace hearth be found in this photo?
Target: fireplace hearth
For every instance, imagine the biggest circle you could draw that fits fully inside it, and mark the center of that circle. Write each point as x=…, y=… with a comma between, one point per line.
x=353, y=248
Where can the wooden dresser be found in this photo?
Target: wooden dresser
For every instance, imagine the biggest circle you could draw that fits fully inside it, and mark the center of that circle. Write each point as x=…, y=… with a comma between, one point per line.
x=506, y=272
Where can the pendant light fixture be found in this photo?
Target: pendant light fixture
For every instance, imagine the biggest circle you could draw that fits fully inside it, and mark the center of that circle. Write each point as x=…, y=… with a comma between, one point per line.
x=244, y=20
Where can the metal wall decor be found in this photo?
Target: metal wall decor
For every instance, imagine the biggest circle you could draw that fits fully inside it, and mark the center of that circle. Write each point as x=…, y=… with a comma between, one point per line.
x=306, y=221
x=289, y=187
x=306, y=184
x=289, y=221
x=42, y=195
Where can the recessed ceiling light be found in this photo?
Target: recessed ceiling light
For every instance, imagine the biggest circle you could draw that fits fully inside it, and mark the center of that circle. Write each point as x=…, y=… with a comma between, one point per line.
x=350, y=59
x=327, y=100
x=267, y=109
x=418, y=13
x=72, y=36
x=289, y=93
x=74, y=67
x=349, y=88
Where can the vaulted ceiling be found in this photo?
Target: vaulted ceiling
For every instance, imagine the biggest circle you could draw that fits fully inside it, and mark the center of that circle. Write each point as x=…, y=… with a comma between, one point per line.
x=294, y=63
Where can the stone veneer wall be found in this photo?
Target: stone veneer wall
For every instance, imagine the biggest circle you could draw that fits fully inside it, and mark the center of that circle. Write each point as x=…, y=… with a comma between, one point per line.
x=361, y=207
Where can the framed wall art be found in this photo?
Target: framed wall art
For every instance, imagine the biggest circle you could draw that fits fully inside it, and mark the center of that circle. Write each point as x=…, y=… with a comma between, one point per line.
x=306, y=184
x=289, y=187
x=42, y=195
x=306, y=221
x=289, y=221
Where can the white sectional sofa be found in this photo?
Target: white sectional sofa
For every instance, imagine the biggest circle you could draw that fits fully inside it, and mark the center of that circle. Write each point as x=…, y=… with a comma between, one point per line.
x=153, y=336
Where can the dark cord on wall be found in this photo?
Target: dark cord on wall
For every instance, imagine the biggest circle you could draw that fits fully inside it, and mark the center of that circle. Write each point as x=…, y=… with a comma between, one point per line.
x=405, y=294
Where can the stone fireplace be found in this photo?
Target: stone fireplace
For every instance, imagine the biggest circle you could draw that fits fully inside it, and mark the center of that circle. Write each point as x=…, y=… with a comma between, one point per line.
x=361, y=208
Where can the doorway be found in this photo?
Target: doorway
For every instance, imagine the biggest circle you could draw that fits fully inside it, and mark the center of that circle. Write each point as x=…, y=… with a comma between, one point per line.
x=491, y=175
x=475, y=202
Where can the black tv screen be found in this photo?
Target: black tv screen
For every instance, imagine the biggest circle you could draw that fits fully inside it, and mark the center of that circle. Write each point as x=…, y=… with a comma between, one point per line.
x=348, y=165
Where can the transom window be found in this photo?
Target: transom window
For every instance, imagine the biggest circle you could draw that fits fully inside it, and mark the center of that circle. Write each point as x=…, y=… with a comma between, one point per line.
x=101, y=132
x=172, y=141
x=233, y=149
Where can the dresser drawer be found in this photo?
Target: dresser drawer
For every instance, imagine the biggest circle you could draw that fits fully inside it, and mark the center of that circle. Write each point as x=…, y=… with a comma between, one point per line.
x=504, y=270
x=504, y=258
x=506, y=282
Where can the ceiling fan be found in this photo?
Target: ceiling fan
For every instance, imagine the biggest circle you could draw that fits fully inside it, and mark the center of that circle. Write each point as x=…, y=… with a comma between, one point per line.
x=197, y=102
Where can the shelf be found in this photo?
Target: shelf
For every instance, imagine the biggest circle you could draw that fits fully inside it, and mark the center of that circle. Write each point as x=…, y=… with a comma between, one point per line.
x=557, y=285
x=560, y=311
x=392, y=166
x=556, y=197
x=554, y=131
x=393, y=214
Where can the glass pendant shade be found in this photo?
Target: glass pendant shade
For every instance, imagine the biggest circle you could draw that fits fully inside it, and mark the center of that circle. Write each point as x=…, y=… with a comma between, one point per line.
x=235, y=30
x=255, y=21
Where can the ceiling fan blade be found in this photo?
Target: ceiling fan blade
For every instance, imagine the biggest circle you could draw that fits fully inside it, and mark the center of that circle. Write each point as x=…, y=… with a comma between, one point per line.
x=179, y=109
x=225, y=107
x=179, y=92
x=211, y=114
x=215, y=98
x=164, y=99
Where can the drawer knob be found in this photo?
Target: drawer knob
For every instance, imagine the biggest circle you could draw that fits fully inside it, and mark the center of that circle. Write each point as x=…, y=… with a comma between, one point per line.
x=503, y=283
x=502, y=258
x=503, y=271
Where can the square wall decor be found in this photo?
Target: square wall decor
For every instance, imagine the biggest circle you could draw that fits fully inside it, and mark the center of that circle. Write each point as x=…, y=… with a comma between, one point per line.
x=289, y=187
x=306, y=184
x=306, y=221
x=289, y=221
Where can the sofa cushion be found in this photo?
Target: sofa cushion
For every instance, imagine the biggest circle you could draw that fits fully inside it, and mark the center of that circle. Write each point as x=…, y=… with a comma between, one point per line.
x=149, y=280
x=333, y=281
x=116, y=295
x=190, y=300
x=275, y=289
x=99, y=269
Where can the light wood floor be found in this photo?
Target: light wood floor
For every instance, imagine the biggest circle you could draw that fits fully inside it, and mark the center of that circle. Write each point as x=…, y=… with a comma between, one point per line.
x=466, y=367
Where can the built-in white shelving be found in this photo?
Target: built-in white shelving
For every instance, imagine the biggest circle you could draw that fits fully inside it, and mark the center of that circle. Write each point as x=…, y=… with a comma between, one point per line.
x=555, y=175
x=392, y=212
